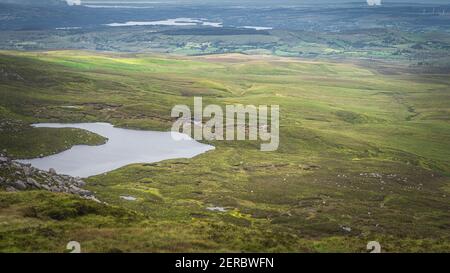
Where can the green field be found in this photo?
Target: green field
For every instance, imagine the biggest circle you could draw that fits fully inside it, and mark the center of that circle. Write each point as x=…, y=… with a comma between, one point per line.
x=364, y=155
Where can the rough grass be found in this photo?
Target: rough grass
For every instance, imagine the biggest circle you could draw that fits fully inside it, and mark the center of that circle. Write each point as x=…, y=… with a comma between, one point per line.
x=358, y=149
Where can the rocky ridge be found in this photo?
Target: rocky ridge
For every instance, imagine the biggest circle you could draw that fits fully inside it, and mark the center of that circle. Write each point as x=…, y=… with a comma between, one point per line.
x=15, y=176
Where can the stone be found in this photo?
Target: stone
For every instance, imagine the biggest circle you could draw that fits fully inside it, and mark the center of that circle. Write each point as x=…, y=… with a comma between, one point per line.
x=81, y=183
x=85, y=193
x=33, y=182
x=20, y=185
x=347, y=229
x=93, y=199
x=27, y=171
x=55, y=189
x=128, y=198
x=74, y=190
x=52, y=171
x=29, y=181
x=219, y=209
x=59, y=181
x=10, y=189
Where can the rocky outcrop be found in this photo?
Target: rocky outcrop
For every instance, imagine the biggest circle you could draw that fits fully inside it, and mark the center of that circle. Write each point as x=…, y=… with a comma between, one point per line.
x=15, y=176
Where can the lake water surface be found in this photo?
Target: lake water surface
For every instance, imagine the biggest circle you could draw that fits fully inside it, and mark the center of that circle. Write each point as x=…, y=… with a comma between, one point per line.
x=123, y=147
x=169, y=22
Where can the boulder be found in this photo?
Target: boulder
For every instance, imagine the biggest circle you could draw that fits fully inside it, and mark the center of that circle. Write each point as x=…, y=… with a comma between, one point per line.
x=346, y=229
x=52, y=171
x=34, y=183
x=20, y=185
x=27, y=170
x=85, y=193
x=75, y=190
x=92, y=197
x=55, y=189
x=58, y=181
x=81, y=183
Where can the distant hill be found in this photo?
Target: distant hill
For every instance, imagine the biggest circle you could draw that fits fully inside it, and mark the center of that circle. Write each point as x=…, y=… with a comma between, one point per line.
x=35, y=2
x=266, y=2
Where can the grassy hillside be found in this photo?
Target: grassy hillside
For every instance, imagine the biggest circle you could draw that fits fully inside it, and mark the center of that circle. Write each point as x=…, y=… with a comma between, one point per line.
x=363, y=155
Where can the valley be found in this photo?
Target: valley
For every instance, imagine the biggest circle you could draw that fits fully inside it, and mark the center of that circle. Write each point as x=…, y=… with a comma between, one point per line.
x=364, y=155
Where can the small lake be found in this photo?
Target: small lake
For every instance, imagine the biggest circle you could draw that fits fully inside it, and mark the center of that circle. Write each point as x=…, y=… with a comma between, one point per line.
x=124, y=147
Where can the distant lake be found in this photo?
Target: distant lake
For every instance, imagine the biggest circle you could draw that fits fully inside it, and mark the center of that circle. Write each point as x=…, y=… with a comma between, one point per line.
x=123, y=5
x=169, y=22
x=123, y=147
x=258, y=28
